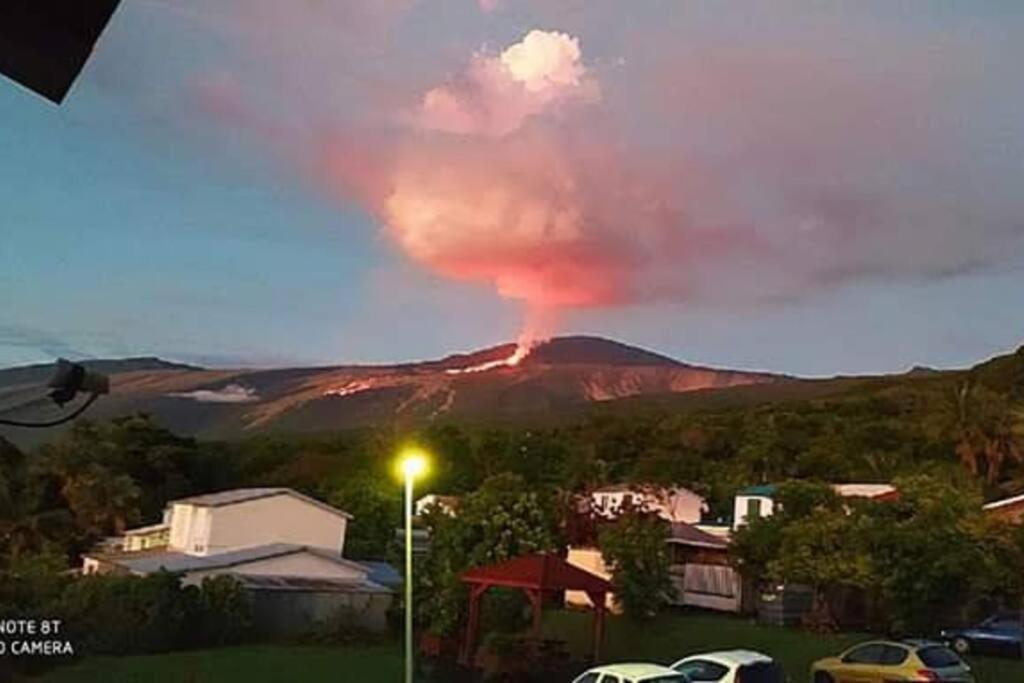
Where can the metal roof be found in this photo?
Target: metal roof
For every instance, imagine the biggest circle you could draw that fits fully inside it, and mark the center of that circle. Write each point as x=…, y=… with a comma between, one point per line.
x=765, y=490
x=687, y=534
x=235, y=496
x=311, y=584
x=146, y=562
x=541, y=571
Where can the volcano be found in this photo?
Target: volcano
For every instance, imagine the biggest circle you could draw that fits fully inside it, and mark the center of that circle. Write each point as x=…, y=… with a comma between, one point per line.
x=557, y=377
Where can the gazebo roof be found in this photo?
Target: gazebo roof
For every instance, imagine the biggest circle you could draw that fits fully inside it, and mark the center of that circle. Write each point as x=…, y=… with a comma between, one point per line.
x=538, y=572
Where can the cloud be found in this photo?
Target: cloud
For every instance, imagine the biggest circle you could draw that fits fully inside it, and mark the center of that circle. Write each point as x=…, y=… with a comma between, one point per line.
x=618, y=155
x=232, y=393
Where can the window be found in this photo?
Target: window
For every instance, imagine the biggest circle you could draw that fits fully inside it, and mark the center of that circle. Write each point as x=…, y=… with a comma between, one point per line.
x=608, y=678
x=587, y=678
x=668, y=679
x=938, y=657
x=753, y=508
x=865, y=654
x=893, y=655
x=702, y=670
x=761, y=672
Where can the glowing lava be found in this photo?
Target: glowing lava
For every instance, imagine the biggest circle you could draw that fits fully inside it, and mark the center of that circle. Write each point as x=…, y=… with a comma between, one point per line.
x=523, y=350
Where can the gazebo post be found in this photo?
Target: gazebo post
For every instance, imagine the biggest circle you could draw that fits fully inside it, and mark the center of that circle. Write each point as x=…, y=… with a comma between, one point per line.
x=472, y=624
x=599, y=613
x=537, y=605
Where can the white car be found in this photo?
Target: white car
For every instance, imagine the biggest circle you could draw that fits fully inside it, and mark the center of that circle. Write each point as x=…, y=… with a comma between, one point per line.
x=631, y=673
x=730, y=666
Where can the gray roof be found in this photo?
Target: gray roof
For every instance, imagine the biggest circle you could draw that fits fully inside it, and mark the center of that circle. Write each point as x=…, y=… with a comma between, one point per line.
x=307, y=584
x=234, y=496
x=171, y=561
x=383, y=573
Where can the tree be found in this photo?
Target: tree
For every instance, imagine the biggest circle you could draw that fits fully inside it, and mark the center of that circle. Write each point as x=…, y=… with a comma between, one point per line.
x=502, y=520
x=635, y=547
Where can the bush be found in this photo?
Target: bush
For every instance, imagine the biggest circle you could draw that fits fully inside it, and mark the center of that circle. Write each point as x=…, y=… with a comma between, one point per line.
x=636, y=549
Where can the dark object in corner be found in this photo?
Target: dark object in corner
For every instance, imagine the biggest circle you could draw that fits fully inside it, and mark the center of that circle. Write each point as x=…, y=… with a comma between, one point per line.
x=44, y=44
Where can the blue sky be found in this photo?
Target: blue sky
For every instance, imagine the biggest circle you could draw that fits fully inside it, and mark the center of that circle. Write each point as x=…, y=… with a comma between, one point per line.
x=133, y=222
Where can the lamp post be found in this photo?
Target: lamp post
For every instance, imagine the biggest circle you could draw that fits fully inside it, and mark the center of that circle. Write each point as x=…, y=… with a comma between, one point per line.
x=412, y=464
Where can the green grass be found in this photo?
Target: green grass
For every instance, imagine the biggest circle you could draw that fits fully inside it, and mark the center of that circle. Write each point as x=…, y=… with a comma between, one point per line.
x=677, y=635
x=666, y=639
x=265, y=664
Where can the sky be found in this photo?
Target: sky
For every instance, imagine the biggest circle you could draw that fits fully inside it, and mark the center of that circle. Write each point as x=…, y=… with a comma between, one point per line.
x=816, y=189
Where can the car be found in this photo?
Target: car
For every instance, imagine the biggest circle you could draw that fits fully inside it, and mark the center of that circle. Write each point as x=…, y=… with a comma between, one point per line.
x=731, y=666
x=882, y=661
x=1000, y=634
x=631, y=673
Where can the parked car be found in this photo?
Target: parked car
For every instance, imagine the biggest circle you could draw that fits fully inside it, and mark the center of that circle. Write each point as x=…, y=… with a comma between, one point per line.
x=1001, y=634
x=883, y=661
x=731, y=666
x=632, y=673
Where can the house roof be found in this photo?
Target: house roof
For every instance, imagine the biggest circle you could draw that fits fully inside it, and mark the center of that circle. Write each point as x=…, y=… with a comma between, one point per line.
x=311, y=584
x=542, y=572
x=1013, y=500
x=235, y=496
x=383, y=573
x=168, y=560
x=764, y=490
x=687, y=534
x=142, y=530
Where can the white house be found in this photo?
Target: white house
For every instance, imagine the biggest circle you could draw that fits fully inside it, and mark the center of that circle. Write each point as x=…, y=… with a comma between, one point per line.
x=257, y=530
x=759, y=501
x=675, y=504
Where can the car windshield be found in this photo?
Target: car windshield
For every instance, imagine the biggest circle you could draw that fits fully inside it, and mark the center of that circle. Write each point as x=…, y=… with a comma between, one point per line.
x=938, y=657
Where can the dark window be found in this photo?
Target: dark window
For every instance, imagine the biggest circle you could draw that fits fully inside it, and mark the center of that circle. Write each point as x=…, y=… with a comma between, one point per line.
x=608, y=678
x=668, y=679
x=865, y=654
x=702, y=670
x=753, y=508
x=938, y=657
x=760, y=672
x=588, y=678
x=893, y=655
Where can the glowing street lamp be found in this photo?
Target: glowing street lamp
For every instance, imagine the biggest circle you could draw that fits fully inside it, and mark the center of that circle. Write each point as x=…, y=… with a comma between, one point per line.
x=412, y=464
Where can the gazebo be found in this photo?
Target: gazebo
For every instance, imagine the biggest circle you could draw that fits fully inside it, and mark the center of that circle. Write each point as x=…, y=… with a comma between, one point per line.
x=535, y=575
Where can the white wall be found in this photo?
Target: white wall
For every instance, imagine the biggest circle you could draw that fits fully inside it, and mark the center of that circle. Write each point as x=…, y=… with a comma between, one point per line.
x=741, y=505
x=275, y=519
x=674, y=505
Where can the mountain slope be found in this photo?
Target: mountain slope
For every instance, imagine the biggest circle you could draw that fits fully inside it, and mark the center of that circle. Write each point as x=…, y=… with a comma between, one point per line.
x=557, y=377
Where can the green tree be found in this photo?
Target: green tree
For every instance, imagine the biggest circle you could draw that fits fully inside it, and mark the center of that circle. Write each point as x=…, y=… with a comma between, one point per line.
x=636, y=550
x=502, y=520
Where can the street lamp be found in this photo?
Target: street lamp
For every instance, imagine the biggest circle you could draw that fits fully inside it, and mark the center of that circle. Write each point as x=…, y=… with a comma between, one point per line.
x=412, y=464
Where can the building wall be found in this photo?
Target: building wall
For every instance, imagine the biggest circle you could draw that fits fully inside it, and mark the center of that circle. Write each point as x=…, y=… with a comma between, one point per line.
x=591, y=560
x=1013, y=513
x=274, y=519
x=675, y=505
x=741, y=505
x=278, y=614
x=295, y=564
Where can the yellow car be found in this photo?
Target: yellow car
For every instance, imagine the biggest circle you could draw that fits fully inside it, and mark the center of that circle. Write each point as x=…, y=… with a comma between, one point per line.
x=884, y=661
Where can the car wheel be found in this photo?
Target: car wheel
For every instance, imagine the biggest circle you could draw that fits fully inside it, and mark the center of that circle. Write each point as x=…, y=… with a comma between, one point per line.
x=822, y=677
x=961, y=646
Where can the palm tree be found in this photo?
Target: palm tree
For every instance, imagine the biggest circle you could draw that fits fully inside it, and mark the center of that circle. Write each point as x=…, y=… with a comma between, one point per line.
x=988, y=430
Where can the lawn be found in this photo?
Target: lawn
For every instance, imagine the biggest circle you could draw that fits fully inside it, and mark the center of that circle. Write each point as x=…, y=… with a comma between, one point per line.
x=664, y=640
x=263, y=664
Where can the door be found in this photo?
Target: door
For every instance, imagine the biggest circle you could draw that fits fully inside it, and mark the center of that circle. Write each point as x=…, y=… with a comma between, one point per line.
x=861, y=664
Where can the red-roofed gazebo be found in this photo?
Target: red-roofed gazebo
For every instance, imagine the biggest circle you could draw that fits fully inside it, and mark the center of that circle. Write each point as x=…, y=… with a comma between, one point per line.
x=535, y=575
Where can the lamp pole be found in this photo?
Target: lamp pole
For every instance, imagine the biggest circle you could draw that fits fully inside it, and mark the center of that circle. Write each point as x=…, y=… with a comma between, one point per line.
x=408, y=576
x=412, y=464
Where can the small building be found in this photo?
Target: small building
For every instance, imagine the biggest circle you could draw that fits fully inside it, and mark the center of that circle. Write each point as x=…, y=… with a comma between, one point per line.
x=283, y=547
x=445, y=504
x=759, y=501
x=675, y=504
x=1008, y=509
